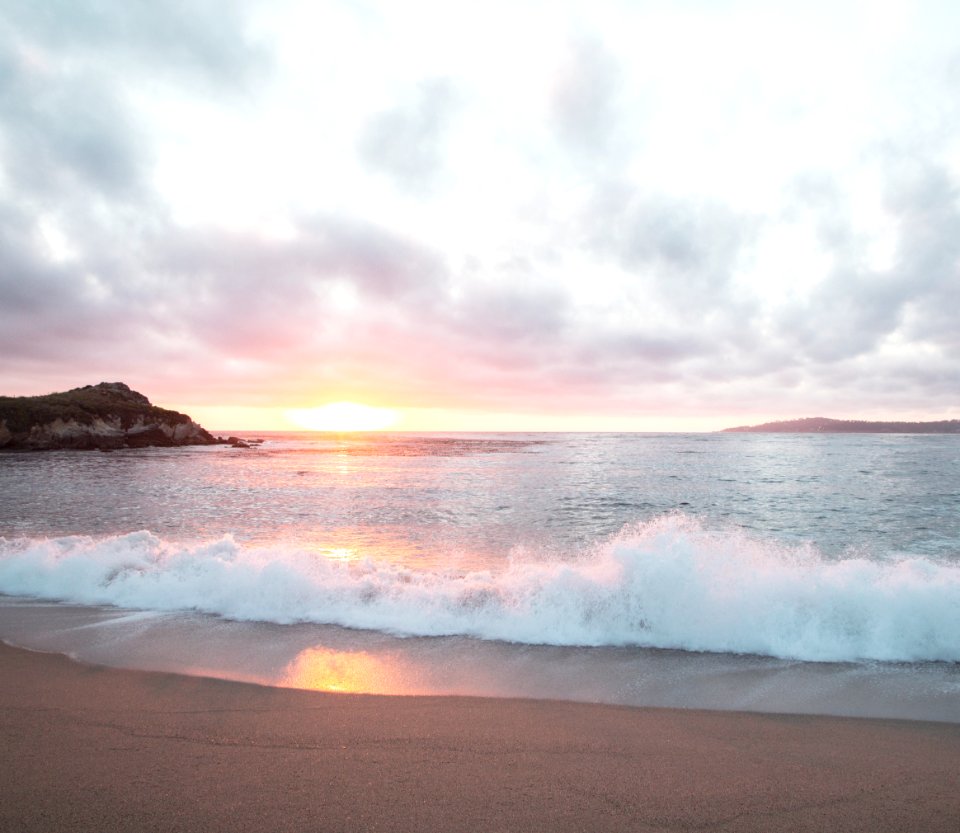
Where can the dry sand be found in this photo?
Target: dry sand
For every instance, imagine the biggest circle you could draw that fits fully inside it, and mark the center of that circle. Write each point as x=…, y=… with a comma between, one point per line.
x=95, y=749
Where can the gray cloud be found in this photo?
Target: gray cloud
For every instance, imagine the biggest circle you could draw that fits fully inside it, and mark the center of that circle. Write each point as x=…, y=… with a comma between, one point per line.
x=405, y=142
x=856, y=307
x=927, y=204
x=62, y=133
x=686, y=251
x=261, y=298
x=583, y=110
x=177, y=297
x=203, y=39
x=54, y=314
x=76, y=162
x=69, y=72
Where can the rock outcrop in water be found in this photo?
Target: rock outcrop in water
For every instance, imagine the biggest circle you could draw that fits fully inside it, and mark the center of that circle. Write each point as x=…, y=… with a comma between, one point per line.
x=816, y=425
x=105, y=416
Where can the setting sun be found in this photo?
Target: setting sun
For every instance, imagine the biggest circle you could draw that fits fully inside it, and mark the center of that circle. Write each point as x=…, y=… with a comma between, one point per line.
x=343, y=416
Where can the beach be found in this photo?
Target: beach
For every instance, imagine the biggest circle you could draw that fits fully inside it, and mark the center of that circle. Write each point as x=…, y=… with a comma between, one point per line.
x=93, y=748
x=504, y=417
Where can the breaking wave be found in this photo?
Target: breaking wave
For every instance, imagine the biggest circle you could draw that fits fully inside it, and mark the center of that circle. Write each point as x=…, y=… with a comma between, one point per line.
x=666, y=584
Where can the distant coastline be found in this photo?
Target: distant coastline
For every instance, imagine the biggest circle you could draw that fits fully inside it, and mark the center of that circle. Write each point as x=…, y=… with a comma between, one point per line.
x=823, y=425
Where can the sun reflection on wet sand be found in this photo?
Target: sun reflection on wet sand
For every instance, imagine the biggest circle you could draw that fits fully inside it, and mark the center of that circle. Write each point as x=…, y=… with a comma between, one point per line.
x=356, y=672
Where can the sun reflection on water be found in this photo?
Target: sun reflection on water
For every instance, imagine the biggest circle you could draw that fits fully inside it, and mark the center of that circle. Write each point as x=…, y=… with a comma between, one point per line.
x=354, y=544
x=339, y=553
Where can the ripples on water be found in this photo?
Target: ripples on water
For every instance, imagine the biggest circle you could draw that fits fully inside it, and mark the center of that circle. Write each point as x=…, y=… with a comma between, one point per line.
x=839, y=550
x=474, y=498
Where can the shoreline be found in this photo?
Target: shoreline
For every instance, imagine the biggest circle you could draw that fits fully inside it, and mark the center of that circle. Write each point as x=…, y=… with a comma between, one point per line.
x=318, y=657
x=96, y=748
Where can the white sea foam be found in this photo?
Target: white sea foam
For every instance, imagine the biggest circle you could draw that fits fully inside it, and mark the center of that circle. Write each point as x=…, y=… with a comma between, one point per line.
x=668, y=584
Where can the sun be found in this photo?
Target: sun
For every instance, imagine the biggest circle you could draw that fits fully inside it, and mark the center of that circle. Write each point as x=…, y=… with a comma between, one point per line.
x=343, y=416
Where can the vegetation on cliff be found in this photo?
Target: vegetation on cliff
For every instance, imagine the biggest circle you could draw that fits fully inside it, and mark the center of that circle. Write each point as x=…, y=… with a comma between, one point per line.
x=107, y=415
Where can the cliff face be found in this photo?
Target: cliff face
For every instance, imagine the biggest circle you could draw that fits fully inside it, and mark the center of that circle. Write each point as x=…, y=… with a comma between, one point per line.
x=104, y=416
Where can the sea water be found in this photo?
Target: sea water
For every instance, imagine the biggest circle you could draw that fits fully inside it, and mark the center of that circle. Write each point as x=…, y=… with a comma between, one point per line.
x=780, y=572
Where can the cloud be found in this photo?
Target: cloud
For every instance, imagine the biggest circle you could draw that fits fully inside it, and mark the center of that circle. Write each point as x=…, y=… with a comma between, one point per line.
x=858, y=308
x=57, y=314
x=927, y=205
x=584, y=106
x=405, y=142
x=80, y=216
x=597, y=255
x=684, y=251
x=205, y=40
x=65, y=132
x=256, y=298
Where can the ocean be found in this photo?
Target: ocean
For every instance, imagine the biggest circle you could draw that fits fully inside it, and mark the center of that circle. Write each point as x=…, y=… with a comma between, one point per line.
x=798, y=573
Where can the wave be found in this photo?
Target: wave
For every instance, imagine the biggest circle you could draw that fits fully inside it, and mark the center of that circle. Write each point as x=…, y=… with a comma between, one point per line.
x=669, y=583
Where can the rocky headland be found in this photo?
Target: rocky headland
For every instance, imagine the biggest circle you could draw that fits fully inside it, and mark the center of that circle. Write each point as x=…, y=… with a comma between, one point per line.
x=106, y=416
x=817, y=425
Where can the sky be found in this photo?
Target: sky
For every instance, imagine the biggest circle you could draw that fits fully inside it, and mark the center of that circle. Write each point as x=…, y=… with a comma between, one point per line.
x=485, y=216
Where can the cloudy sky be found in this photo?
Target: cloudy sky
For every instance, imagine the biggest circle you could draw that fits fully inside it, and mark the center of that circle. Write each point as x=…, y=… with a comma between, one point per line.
x=597, y=215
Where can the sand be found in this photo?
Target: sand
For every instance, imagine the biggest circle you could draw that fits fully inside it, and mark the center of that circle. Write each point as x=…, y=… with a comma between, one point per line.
x=94, y=749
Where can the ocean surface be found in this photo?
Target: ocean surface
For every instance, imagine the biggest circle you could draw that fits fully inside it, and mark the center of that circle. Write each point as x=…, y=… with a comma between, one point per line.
x=804, y=573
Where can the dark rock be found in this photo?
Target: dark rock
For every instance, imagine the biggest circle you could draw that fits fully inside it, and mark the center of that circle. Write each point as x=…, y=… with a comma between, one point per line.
x=105, y=416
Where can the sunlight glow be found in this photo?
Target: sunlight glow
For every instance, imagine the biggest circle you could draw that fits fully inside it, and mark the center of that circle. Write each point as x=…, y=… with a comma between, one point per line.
x=343, y=416
x=358, y=672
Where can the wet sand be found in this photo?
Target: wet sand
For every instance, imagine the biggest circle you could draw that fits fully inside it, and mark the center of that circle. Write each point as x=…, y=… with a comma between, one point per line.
x=95, y=749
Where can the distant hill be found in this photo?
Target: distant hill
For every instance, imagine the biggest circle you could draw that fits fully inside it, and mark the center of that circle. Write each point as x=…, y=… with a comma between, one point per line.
x=822, y=425
x=104, y=416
